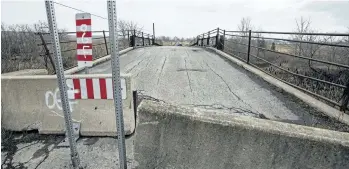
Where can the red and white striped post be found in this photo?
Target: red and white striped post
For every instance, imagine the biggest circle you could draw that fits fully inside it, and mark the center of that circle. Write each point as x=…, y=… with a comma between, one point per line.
x=83, y=40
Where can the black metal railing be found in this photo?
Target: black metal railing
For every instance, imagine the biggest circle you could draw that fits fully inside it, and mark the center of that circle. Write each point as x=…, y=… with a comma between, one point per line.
x=100, y=45
x=316, y=63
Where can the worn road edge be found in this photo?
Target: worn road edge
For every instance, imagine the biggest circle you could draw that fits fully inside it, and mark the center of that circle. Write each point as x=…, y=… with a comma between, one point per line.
x=319, y=105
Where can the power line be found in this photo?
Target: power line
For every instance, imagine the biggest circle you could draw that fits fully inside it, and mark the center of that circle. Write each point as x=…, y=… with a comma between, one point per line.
x=86, y=12
x=79, y=10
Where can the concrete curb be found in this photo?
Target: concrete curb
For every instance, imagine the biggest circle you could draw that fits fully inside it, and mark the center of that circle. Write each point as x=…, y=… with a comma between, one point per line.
x=246, y=122
x=96, y=62
x=186, y=137
x=315, y=103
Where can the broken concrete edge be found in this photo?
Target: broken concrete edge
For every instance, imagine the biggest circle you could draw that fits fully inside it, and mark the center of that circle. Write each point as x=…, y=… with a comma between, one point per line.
x=96, y=62
x=245, y=122
x=137, y=47
x=26, y=72
x=311, y=101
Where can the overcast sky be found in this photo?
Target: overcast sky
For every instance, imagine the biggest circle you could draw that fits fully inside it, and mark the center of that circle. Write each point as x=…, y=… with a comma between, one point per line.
x=188, y=18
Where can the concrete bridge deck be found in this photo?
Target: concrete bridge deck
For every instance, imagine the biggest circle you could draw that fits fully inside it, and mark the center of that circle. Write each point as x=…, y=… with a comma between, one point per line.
x=200, y=78
x=178, y=137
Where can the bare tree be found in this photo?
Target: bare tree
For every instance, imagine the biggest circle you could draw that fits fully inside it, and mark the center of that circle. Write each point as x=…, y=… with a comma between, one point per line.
x=126, y=29
x=245, y=25
x=303, y=26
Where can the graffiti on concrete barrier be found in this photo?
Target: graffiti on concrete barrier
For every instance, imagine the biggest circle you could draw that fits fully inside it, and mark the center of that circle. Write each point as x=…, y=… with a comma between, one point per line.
x=54, y=102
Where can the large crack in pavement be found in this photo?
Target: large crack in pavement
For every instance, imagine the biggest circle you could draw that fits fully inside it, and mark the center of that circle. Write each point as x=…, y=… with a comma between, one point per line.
x=129, y=70
x=217, y=106
x=186, y=70
x=162, y=68
x=230, y=90
x=146, y=66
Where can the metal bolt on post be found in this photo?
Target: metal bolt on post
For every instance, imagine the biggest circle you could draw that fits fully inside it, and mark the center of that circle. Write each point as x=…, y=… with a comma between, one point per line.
x=113, y=38
x=51, y=18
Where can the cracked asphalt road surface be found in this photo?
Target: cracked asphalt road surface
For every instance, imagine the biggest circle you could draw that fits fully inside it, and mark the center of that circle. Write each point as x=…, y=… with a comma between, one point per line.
x=202, y=79
x=177, y=75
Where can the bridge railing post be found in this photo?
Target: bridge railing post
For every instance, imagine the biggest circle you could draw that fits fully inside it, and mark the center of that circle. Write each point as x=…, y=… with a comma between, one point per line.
x=142, y=39
x=47, y=53
x=217, y=38
x=148, y=40
x=248, y=47
x=202, y=40
x=208, y=38
x=128, y=36
x=105, y=43
x=134, y=38
x=223, y=39
x=345, y=98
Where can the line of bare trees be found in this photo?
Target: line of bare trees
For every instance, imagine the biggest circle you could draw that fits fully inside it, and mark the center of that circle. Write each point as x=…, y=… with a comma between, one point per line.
x=20, y=49
x=321, y=71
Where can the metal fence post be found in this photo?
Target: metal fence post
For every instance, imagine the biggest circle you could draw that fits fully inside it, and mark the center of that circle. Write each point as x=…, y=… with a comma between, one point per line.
x=345, y=98
x=105, y=42
x=249, y=47
x=134, y=38
x=128, y=36
x=115, y=64
x=217, y=37
x=153, y=40
x=148, y=39
x=153, y=33
x=223, y=39
x=63, y=88
x=202, y=40
x=47, y=53
x=142, y=39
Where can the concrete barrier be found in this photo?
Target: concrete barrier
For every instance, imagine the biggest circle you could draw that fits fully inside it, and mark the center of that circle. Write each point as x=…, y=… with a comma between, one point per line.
x=33, y=102
x=313, y=102
x=175, y=137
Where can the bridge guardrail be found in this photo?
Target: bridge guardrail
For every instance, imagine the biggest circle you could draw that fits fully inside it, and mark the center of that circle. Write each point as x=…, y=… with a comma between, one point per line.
x=100, y=45
x=315, y=63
